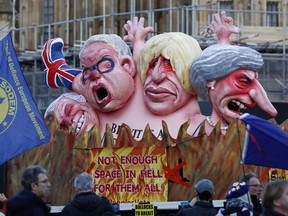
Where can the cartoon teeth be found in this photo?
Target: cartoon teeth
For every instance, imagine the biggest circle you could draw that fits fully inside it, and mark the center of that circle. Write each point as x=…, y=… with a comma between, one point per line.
x=239, y=104
x=79, y=124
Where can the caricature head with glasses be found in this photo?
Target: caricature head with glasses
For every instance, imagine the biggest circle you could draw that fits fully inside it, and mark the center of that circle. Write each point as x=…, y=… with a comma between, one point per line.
x=108, y=72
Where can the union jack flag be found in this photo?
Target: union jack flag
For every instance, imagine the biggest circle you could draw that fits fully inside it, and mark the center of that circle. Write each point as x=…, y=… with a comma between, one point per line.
x=57, y=72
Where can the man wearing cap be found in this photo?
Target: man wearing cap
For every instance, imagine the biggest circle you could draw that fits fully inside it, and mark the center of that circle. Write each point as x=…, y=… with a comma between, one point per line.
x=202, y=207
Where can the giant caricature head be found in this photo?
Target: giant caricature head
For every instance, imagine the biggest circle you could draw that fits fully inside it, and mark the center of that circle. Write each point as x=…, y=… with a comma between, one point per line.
x=164, y=64
x=71, y=109
x=108, y=72
x=227, y=75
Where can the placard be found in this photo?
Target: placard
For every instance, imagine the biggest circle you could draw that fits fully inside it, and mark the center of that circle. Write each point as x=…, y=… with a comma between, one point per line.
x=130, y=174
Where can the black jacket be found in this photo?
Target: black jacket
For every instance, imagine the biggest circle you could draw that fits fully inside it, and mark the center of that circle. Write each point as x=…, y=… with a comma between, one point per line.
x=87, y=204
x=257, y=207
x=199, y=209
x=27, y=203
x=270, y=212
x=239, y=211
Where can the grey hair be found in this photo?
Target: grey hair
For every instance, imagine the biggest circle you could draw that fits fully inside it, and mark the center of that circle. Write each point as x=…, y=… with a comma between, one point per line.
x=83, y=182
x=111, y=39
x=72, y=95
x=246, y=178
x=30, y=175
x=218, y=61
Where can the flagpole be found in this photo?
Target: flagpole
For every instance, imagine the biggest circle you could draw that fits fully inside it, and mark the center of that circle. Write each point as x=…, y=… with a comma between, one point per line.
x=240, y=147
x=13, y=20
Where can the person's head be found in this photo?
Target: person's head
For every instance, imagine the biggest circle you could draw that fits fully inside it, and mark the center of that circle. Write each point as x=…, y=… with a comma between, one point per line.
x=108, y=72
x=83, y=183
x=255, y=187
x=72, y=110
x=275, y=196
x=240, y=191
x=164, y=64
x=204, y=189
x=227, y=75
x=34, y=178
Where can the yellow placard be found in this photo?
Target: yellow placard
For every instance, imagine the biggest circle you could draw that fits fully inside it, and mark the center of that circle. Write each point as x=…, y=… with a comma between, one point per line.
x=275, y=174
x=130, y=174
x=144, y=209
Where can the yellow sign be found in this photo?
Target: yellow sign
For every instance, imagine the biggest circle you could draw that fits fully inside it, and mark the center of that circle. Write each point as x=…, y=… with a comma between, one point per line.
x=275, y=174
x=144, y=209
x=130, y=174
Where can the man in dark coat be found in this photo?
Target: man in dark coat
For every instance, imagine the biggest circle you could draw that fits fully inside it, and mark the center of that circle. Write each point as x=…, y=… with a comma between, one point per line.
x=30, y=201
x=86, y=202
x=200, y=205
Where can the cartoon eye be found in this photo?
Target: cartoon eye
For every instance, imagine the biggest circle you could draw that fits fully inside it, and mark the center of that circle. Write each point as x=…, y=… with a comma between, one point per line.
x=68, y=109
x=243, y=82
x=86, y=72
x=104, y=65
x=153, y=63
x=167, y=65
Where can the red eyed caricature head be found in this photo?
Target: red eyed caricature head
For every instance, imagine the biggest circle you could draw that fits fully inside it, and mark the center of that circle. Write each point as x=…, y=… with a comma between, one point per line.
x=72, y=110
x=227, y=76
x=164, y=64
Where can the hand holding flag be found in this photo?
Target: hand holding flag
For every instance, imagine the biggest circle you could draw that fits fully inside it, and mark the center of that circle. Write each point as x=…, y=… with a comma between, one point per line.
x=57, y=72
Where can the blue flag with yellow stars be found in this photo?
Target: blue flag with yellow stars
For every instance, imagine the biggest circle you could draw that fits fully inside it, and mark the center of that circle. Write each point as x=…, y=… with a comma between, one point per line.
x=21, y=125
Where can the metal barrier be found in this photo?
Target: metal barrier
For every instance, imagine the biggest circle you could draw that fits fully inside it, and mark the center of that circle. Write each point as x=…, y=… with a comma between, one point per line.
x=160, y=208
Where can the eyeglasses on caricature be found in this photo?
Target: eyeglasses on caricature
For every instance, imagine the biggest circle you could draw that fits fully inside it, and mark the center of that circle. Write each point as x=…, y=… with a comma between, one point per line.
x=104, y=65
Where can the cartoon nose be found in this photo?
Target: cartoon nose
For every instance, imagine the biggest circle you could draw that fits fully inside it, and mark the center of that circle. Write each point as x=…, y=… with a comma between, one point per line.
x=158, y=74
x=67, y=120
x=94, y=74
x=259, y=95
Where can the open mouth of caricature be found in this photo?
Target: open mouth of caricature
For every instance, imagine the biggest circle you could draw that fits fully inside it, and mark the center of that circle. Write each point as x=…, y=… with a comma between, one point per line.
x=78, y=125
x=101, y=93
x=236, y=106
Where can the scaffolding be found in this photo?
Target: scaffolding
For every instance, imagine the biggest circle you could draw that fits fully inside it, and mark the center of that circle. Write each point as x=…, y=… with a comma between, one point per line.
x=78, y=22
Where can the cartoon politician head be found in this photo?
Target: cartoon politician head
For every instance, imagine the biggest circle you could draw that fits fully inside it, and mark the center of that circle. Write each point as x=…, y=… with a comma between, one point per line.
x=72, y=110
x=227, y=76
x=108, y=70
x=164, y=64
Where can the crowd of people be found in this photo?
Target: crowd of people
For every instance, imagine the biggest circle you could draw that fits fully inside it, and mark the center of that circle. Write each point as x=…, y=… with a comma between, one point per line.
x=244, y=198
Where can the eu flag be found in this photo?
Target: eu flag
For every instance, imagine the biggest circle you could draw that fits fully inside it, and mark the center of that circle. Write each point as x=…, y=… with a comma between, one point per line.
x=265, y=143
x=21, y=125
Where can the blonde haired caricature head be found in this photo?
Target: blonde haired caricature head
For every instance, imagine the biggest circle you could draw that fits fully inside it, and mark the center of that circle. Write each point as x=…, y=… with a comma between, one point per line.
x=164, y=64
x=181, y=49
